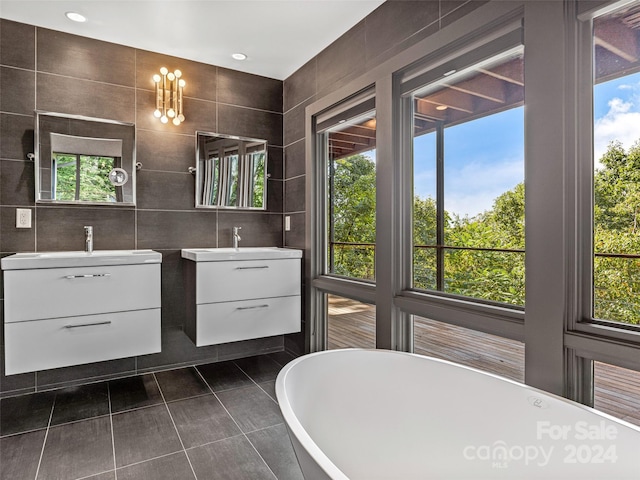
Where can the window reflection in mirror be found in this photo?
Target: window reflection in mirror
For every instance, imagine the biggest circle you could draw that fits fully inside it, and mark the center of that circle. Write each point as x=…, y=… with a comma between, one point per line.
x=83, y=178
x=84, y=160
x=230, y=172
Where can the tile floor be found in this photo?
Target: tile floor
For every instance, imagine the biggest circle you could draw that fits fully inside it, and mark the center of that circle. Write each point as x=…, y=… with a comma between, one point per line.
x=214, y=421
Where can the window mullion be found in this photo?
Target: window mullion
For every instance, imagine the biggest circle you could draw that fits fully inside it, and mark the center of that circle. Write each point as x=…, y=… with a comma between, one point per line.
x=440, y=220
x=77, y=177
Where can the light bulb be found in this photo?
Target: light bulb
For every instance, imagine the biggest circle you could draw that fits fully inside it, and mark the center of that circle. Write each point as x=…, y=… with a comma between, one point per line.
x=164, y=70
x=176, y=121
x=181, y=117
x=177, y=73
x=171, y=113
x=156, y=78
x=164, y=119
x=171, y=76
x=157, y=113
x=182, y=83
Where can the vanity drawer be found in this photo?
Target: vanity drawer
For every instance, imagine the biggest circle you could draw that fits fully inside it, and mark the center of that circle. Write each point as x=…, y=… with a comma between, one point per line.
x=60, y=342
x=64, y=292
x=230, y=281
x=234, y=321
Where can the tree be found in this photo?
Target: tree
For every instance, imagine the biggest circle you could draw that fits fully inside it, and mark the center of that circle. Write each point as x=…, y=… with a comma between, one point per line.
x=478, y=271
x=616, y=280
x=491, y=275
x=354, y=215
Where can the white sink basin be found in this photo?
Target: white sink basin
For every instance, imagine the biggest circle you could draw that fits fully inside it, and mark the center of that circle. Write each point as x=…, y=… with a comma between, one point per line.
x=22, y=261
x=242, y=253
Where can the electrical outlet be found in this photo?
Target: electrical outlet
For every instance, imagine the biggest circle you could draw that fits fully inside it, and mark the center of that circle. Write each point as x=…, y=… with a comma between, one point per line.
x=23, y=218
x=287, y=223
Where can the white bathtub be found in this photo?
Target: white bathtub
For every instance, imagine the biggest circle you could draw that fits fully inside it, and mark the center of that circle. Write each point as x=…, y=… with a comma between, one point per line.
x=377, y=414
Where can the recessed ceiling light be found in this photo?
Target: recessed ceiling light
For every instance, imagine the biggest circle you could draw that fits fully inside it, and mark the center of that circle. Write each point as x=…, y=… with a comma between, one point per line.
x=239, y=56
x=441, y=107
x=76, y=17
x=450, y=72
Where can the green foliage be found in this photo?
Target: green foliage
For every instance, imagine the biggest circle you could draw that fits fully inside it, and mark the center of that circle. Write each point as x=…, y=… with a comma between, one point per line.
x=258, y=176
x=616, y=231
x=354, y=216
x=94, y=184
x=499, y=276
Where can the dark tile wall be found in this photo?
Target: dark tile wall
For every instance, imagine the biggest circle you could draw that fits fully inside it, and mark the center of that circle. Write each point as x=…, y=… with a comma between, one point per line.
x=391, y=28
x=49, y=70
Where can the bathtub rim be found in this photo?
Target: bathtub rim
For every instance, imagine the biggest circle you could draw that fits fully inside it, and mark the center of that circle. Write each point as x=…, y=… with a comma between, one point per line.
x=296, y=429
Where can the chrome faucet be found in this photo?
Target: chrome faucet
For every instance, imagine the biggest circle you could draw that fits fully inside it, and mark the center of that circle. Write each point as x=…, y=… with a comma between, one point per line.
x=88, y=239
x=236, y=236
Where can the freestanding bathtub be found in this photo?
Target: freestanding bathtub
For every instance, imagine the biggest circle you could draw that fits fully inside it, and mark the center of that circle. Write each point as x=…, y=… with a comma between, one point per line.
x=377, y=414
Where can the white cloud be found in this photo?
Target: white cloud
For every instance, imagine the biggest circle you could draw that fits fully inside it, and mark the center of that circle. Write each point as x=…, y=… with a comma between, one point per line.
x=472, y=189
x=621, y=122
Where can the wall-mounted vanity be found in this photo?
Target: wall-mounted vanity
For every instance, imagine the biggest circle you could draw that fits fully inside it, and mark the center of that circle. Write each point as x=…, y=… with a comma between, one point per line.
x=231, y=171
x=237, y=294
x=84, y=160
x=70, y=308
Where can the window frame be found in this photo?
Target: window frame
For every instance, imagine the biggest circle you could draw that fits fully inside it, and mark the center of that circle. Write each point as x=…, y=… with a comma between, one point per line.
x=588, y=329
x=431, y=74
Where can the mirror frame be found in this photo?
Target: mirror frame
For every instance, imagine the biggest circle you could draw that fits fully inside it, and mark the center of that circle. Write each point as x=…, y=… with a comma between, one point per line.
x=129, y=165
x=199, y=171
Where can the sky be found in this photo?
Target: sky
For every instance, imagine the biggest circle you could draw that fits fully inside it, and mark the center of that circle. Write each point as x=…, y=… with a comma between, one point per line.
x=616, y=113
x=485, y=158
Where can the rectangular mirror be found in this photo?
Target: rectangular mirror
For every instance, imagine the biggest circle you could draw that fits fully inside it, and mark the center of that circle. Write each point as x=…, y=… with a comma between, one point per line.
x=231, y=171
x=84, y=160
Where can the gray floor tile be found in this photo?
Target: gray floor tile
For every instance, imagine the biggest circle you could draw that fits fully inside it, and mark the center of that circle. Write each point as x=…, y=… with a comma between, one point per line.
x=230, y=459
x=102, y=476
x=282, y=358
x=134, y=392
x=80, y=402
x=181, y=383
x=274, y=446
x=25, y=413
x=260, y=368
x=171, y=467
x=19, y=455
x=224, y=376
x=251, y=408
x=202, y=420
x=143, y=434
x=270, y=388
x=77, y=450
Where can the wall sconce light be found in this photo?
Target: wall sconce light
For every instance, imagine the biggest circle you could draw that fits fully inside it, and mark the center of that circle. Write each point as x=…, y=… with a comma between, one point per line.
x=169, y=87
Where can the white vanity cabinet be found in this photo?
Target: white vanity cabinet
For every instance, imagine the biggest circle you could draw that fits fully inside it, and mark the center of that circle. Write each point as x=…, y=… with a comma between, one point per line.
x=71, y=308
x=240, y=294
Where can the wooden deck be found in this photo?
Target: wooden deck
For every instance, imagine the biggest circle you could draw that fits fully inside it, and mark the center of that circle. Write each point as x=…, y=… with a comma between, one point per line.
x=352, y=324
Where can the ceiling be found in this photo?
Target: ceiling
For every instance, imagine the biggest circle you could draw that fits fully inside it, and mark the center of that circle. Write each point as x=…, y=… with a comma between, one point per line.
x=278, y=36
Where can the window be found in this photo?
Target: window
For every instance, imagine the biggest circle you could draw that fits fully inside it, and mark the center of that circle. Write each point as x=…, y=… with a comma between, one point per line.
x=490, y=353
x=83, y=178
x=350, y=155
x=467, y=138
x=350, y=324
x=617, y=391
x=616, y=153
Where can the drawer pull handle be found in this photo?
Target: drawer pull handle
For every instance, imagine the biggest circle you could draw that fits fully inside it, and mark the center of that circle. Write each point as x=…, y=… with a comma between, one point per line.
x=88, y=275
x=252, y=268
x=251, y=308
x=78, y=325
